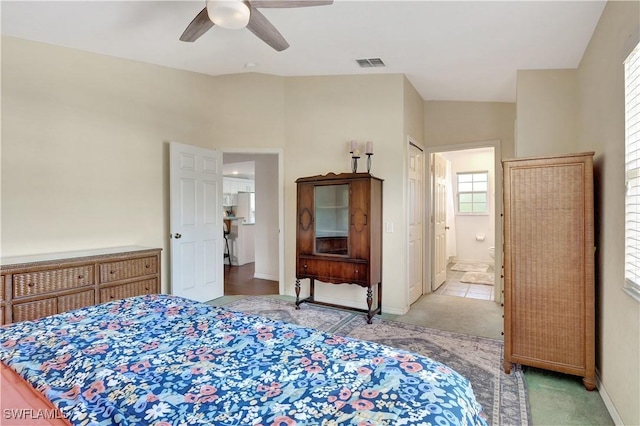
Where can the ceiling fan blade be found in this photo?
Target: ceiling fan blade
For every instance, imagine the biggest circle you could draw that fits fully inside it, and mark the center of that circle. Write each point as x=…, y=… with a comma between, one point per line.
x=289, y=3
x=200, y=25
x=263, y=29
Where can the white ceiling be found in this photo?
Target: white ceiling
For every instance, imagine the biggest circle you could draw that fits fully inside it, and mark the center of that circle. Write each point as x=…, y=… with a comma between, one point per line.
x=449, y=50
x=241, y=169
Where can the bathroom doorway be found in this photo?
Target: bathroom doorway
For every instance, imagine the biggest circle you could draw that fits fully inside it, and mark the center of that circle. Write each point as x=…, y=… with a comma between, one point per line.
x=465, y=199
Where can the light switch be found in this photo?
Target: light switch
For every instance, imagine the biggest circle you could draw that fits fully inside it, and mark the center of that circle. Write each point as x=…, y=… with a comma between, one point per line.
x=388, y=226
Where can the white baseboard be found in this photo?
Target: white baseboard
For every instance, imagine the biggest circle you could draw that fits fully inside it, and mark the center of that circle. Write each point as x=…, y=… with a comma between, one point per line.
x=454, y=260
x=608, y=403
x=265, y=276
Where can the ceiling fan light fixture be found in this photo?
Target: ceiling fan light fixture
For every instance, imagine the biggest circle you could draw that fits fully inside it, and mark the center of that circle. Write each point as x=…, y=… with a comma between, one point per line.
x=229, y=14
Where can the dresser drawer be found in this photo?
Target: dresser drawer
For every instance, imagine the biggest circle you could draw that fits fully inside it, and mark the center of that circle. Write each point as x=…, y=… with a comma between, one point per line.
x=33, y=310
x=1, y=287
x=332, y=271
x=52, y=280
x=76, y=300
x=129, y=290
x=115, y=271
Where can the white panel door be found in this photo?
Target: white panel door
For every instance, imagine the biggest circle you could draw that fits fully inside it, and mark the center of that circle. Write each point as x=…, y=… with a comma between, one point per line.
x=196, y=222
x=439, y=201
x=416, y=217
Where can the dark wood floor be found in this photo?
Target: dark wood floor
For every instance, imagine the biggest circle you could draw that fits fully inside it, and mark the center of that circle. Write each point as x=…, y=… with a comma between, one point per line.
x=238, y=280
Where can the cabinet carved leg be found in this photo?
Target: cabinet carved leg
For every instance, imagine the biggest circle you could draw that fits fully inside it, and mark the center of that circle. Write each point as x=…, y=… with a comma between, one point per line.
x=312, y=289
x=369, y=303
x=371, y=311
x=507, y=367
x=297, y=294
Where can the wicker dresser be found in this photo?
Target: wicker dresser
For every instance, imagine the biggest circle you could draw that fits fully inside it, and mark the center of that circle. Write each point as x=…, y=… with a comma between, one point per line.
x=549, y=264
x=40, y=285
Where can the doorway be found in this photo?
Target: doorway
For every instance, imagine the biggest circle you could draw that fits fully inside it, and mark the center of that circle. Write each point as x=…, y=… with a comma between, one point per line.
x=466, y=200
x=254, y=209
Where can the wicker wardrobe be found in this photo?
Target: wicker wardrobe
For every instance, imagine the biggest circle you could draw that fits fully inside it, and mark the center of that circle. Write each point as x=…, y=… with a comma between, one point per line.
x=549, y=264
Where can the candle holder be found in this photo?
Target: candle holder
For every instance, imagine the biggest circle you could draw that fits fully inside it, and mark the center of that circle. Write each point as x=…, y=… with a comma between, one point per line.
x=369, y=154
x=355, y=154
x=354, y=162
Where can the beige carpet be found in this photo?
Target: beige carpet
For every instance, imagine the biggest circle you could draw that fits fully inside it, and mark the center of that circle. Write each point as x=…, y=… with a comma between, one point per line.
x=478, y=278
x=470, y=267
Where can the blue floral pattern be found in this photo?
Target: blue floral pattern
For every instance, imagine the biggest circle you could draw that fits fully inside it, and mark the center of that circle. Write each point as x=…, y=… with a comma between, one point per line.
x=163, y=360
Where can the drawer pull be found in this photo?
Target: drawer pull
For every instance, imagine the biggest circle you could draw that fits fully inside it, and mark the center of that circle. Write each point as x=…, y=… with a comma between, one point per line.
x=31, y=284
x=146, y=288
x=305, y=266
x=80, y=277
x=111, y=296
x=112, y=272
x=147, y=266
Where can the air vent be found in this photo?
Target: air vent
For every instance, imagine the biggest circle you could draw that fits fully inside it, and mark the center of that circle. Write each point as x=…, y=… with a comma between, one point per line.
x=369, y=63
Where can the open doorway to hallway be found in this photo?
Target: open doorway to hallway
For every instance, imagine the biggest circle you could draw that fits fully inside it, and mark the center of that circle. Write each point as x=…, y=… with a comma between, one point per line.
x=240, y=280
x=465, y=205
x=252, y=213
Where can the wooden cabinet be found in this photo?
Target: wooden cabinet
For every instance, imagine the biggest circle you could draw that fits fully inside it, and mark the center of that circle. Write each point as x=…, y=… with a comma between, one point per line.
x=549, y=264
x=41, y=285
x=339, y=234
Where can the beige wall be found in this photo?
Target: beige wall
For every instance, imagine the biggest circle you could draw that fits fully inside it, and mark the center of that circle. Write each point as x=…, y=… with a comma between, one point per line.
x=85, y=143
x=452, y=122
x=413, y=113
x=323, y=114
x=601, y=129
x=547, y=112
x=247, y=111
x=85, y=147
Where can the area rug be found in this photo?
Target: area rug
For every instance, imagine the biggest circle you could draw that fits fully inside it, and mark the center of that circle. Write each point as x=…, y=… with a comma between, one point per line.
x=503, y=396
x=478, y=278
x=470, y=267
x=313, y=316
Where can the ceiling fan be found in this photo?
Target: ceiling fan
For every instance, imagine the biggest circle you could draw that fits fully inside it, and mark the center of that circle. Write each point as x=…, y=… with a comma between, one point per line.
x=236, y=14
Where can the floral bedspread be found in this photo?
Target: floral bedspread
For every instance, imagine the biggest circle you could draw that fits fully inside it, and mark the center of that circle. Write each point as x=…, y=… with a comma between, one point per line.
x=163, y=360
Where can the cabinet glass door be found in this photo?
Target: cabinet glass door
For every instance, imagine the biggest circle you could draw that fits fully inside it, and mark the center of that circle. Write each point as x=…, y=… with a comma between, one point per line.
x=332, y=219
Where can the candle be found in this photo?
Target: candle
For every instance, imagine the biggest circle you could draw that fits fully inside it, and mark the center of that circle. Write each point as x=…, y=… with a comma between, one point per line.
x=354, y=146
x=369, y=147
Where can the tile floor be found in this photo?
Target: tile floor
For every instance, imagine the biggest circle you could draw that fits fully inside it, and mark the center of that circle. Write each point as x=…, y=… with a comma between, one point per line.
x=454, y=287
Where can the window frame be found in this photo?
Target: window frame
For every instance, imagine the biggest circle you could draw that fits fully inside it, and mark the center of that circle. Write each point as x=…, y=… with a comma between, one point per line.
x=472, y=193
x=632, y=173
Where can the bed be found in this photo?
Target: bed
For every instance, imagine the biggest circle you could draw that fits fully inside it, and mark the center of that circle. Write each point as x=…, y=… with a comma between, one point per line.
x=164, y=360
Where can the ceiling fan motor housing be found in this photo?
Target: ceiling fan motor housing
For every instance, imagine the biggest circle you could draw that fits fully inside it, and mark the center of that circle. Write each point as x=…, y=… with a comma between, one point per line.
x=229, y=14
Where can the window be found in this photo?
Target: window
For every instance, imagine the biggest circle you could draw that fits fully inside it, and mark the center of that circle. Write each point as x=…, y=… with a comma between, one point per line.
x=632, y=169
x=472, y=192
